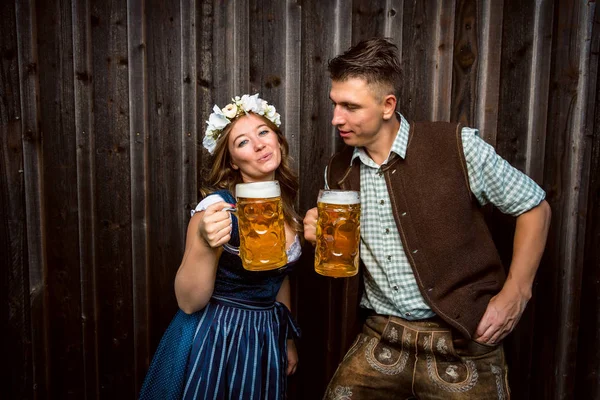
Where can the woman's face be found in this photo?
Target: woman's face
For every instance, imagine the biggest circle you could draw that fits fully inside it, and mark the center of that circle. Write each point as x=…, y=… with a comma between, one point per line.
x=254, y=149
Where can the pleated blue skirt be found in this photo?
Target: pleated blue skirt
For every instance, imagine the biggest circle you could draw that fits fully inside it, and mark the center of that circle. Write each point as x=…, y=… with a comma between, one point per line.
x=232, y=349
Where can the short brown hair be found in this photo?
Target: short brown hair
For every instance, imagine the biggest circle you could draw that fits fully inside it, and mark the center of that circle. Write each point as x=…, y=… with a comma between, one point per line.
x=375, y=60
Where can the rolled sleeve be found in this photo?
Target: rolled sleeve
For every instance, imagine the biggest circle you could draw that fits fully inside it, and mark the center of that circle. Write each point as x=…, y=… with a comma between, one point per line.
x=493, y=180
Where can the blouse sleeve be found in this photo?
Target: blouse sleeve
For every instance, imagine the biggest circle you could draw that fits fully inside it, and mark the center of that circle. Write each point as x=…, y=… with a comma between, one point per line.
x=207, y=201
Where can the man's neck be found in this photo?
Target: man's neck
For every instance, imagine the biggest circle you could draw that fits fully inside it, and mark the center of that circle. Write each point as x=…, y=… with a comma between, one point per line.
x=380, y=148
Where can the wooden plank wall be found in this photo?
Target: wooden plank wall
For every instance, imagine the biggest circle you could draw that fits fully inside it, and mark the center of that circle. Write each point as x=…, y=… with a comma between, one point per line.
x=102, y=110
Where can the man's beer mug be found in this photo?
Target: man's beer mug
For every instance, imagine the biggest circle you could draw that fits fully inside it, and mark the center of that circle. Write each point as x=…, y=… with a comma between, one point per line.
x=261, y=226
x=338, y=233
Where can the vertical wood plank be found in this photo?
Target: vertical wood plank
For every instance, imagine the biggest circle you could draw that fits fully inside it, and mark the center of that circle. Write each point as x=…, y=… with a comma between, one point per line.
x=206, y=81
x=231, y=50
x=441, y=65
x=32, y=166
x=588, y=361
x=57, y=124
x=368, y=19
x=517, y=44
x=466, y=62
x=112, y=166
x=293, y=84
x=490, y=16
x=189, y=107
x=138, y=147
x=14, y=312
x=84, y=133
x=167, y=206
x=538, y=90
x=418, y=61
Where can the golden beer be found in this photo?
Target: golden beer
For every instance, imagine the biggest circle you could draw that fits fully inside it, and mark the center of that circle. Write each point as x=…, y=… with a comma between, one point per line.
x=338, y=233
x=261, y=226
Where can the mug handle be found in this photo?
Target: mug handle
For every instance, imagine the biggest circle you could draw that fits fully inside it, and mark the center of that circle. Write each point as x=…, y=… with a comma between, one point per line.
x=227, y=247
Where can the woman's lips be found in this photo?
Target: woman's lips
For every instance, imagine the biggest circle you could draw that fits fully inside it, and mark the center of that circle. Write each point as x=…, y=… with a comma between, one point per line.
x=266, y=157
x=345, y=133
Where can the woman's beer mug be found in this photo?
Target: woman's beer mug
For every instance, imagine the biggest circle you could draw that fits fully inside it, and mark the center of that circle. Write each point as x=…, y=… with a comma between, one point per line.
x=338, y=233
x=261, y=226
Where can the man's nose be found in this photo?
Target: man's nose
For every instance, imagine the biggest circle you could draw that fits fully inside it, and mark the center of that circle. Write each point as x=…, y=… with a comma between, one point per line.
x=337, y=117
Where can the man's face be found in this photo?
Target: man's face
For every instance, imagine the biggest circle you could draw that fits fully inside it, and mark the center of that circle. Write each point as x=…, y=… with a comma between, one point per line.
x=357, y=111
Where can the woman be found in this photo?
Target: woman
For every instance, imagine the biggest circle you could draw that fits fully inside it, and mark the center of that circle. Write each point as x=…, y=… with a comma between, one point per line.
x=233, y=335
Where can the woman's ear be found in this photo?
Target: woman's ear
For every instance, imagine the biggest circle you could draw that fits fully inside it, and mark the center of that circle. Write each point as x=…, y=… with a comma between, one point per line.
x=234, y=166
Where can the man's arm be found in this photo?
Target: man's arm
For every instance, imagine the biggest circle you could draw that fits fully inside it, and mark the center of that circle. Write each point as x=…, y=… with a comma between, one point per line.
x=505, y=309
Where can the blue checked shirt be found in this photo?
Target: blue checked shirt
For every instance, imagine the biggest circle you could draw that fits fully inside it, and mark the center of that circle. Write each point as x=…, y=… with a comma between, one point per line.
x=390, y=285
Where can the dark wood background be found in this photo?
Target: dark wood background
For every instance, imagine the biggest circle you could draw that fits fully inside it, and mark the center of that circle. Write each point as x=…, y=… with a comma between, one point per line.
x=102, y=110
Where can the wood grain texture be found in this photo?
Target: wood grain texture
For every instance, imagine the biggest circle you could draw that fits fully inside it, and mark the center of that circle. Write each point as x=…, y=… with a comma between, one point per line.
x=113, y=233
x=102, y=112
x=167, y=205
x=139, y=176
x=14, y=287
x=61, y=233
x=33, y=192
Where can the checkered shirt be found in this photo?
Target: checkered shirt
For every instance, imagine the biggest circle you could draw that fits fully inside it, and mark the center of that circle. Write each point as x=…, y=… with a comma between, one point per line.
x=390, y=285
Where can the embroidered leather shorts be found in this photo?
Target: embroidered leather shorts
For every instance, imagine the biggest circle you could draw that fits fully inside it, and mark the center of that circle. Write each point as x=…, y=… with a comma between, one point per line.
x=398, y=359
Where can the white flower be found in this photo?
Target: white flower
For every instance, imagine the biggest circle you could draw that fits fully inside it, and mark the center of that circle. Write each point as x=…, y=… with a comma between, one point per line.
x=219, y=119
x=209, y=143
x=276, y=119
x=270, y=112
x=230, y=110
x=250, y=103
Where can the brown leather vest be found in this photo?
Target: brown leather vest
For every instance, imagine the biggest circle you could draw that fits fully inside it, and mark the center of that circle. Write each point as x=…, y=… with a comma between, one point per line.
x=441, y=224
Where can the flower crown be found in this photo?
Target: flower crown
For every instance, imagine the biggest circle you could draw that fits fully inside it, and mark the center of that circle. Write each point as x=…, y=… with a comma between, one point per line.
x=220, y=118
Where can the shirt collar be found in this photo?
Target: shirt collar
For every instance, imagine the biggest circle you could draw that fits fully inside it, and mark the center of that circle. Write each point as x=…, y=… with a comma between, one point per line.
x=398, y=147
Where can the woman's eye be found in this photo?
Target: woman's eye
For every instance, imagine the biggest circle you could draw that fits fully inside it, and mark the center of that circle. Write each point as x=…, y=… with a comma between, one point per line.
x=243, y=143
x=263, y=133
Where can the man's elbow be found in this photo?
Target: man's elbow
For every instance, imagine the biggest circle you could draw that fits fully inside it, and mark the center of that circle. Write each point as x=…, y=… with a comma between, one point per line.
x=545, y=209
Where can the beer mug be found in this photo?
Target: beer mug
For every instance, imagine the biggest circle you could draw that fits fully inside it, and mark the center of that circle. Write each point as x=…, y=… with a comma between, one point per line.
x=260, y=225
x=338, y=233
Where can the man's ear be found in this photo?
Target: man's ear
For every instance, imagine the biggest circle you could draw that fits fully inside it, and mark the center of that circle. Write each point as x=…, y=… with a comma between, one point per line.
x=389, y=106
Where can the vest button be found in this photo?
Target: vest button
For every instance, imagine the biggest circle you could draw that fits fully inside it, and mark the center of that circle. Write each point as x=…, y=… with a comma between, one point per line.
x=415, y=251
x=404, y=214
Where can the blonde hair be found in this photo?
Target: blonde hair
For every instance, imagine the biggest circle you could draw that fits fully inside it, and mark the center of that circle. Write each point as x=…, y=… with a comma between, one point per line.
x=223, y=176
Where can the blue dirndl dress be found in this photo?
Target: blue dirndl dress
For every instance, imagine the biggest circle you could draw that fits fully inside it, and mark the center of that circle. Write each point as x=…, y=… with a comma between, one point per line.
x=234, y=348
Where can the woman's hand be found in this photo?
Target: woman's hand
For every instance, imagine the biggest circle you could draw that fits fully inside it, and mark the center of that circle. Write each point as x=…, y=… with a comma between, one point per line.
x=215, y=226
x=310, y=225
x=292, y=357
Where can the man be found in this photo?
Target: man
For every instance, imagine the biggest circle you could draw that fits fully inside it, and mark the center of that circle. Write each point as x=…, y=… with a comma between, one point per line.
x=439, y=300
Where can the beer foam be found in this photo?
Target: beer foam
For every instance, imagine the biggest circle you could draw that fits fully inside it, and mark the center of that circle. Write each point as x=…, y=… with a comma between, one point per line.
x=258, y=190
x=339, y=197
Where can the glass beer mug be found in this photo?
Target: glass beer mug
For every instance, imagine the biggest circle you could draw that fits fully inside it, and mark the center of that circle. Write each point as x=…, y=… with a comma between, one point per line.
x=338, y=233
x=261, y=226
